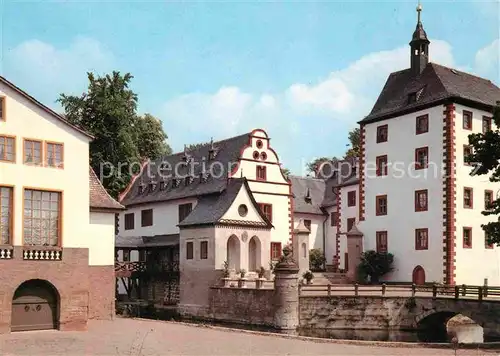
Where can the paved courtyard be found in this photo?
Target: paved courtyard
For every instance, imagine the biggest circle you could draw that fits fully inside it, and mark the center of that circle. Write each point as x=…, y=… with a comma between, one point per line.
x=154, y=338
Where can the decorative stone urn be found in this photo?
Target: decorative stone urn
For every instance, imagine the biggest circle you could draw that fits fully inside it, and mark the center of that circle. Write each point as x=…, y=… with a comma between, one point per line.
x=227, y=282
x=242, y=282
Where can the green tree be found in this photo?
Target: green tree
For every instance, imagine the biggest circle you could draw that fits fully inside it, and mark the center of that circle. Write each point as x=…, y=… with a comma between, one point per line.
x=108, y=112
x=151, y=140
x=313, y=166
x=486, y=157
x=286, y=172
x=355, y=143
x=317, y=259
x=375, y=264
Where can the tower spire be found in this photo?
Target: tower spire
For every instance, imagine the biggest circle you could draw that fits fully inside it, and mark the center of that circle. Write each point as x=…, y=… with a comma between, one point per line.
x=419, y=56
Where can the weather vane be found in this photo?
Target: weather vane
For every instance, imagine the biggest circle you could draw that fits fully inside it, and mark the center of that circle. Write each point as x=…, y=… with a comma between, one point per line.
x=419, y=10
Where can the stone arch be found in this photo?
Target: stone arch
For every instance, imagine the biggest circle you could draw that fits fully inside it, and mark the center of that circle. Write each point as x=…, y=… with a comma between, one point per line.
x=233, y=248
x=254, y=254
x=35, y=306
x=418, y=275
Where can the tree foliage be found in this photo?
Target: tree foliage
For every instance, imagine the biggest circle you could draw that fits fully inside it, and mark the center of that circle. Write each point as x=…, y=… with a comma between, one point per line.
x=375, y=264
x=485, y=158
x=316, y=259
x=355, y=143
x=121, y=138
x=354, y=150
x=286, y=172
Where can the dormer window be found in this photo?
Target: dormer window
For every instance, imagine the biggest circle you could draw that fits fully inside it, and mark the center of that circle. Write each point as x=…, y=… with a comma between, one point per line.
x=412, y=98
x=152, y=186
x=176, y=182
x=188, y=180
x=204, y=177
x=163, y=185
x=307, y=198
x=142, y=187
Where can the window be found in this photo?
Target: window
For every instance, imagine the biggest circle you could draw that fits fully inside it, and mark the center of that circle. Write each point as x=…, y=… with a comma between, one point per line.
x=486, y=244
x=467, y=120
x=261, y=173
x=54, y=155
x=381, y=204
x=42, y=217
x=307, y=223
x=381, y=162
x=142, y=255
x=267, y=210
x=126, y=256
x=467, y=234
x=7, y=148
x=421, y=157
x=184, y=210
x=33, y=152
x=381, y=241
x=468, y=198
x=203, y=250
x=421, y=239
x=6, y=215
x=421, y=200
x=412, y=98
x=275, y=250
x=334, y=218
x=351, y=198
x=488, y=199
x=382, y=133
x=350, y=223
x=189, y=250
x=467, y=153
x=422, y=124
x=147, y=217
x=486, y=124
x=129, y=221
x=2, y=108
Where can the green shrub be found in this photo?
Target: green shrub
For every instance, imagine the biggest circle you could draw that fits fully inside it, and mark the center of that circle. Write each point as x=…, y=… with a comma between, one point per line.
x=376, y=264
x=316, y=259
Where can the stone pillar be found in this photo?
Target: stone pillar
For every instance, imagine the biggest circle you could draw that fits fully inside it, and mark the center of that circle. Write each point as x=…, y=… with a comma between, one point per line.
x=354, y=250
x=301, y=239
x=286, y=294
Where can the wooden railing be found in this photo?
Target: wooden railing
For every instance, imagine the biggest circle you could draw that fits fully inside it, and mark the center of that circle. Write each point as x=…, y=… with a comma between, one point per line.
x=125, y=269
x=412, y=290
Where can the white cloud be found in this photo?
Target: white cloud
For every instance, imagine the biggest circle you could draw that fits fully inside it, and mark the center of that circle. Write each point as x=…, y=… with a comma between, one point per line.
x=315, y=114
x=487, y=61
x=43, y=70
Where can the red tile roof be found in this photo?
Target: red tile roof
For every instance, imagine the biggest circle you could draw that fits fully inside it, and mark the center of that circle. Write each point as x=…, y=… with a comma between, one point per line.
x=99, y=197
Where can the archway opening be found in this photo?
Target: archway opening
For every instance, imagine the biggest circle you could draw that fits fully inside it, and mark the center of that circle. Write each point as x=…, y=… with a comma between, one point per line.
x=35, y=306
x=254, y=254
x=233, y=252
x=432, y=328
x=418, y=275
x=304, y=250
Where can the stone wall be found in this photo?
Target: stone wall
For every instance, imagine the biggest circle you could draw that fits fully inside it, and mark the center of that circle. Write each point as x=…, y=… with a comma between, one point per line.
x=242, y=305
x=404, y=313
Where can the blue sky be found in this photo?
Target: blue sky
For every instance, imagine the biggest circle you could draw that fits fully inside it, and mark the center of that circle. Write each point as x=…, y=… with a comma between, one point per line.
x=304, y=71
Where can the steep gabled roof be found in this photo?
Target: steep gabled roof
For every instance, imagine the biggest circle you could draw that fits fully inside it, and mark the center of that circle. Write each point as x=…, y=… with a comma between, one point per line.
x=99, y=197
x=433, y=86
x=227, y=153
x=301, y=188
x=43, y=107
x=211, y=208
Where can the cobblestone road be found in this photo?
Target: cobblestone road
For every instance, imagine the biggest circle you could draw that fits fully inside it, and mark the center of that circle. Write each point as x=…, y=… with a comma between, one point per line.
x=129, y=337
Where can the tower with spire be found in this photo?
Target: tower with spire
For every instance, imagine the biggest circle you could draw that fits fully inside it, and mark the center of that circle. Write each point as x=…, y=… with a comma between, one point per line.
x=419, y=56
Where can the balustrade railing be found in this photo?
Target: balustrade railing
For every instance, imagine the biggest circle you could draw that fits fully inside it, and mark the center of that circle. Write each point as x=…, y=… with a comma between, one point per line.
x=6, y=253
x=125, y=269
x=42, y=254
x=412, y=290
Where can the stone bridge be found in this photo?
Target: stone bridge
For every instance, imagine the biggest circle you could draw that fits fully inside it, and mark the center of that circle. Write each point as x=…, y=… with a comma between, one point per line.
x=396, y=312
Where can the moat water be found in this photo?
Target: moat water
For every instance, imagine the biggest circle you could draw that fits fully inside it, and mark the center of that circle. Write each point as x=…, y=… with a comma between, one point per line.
x=427, y=336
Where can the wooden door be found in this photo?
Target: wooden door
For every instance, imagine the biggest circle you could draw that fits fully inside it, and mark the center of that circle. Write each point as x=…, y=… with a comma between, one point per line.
x=34, y=307
x=418, y=275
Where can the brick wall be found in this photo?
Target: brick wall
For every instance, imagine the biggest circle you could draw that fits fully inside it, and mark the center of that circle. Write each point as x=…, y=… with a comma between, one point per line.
x=75, y=282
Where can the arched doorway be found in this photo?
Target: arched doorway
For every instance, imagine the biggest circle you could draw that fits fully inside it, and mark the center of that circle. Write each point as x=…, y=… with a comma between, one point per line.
x=233, y=252
x=35, y=306
x=254, y=248
x=418, y=275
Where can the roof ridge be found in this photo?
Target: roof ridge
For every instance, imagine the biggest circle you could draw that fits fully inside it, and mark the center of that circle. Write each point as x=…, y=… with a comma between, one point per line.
x=305, y=178
x=206, y=144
